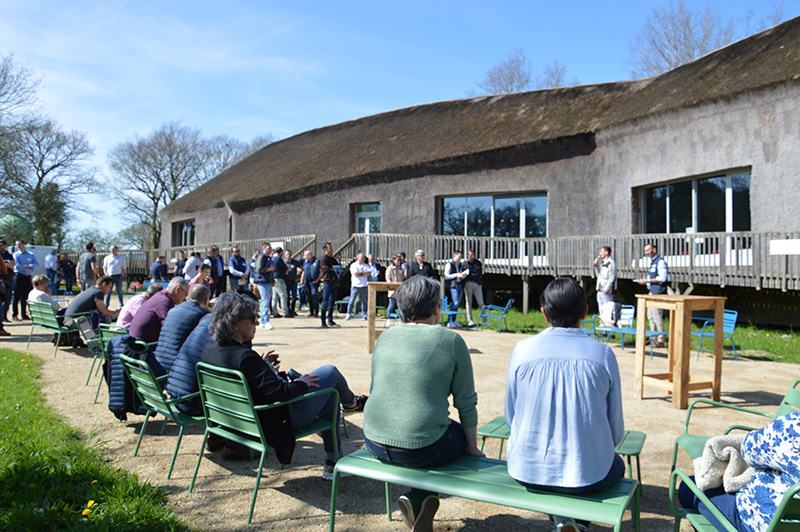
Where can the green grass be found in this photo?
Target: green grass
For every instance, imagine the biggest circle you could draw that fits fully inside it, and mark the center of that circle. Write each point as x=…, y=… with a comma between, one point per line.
x=751, y=342
x=52, y=479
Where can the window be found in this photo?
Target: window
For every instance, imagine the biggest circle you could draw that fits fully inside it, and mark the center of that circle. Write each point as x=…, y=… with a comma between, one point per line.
x=183, y=233
x=368, y=218
x=709, y=204
x=496, y=216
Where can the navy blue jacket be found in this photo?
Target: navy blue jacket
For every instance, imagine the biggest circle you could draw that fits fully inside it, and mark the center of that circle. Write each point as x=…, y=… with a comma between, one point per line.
x=179, y=323
x=182, y=379
x=121, y=397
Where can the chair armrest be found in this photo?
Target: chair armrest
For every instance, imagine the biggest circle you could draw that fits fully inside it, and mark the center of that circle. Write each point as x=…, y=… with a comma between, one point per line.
x=673, y=491
x=739, y=427
x=495, y=307
x=163, y=377
x=722, y=405
x=298, y=398
x=183, y=399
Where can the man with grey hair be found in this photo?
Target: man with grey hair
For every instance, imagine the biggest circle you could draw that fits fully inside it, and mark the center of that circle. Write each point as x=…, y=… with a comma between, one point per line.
x=146, y=325
x=359, y=277
x=420, y=267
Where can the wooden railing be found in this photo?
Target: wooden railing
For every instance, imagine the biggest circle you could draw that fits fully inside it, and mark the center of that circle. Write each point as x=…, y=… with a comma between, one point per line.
x=722, y=259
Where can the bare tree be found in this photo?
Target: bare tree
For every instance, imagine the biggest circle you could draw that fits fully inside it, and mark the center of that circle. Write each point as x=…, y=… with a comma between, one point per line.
x=516, y=74
x=43, y=166
x=223, y=152
x=17, y=88
x=136, y=236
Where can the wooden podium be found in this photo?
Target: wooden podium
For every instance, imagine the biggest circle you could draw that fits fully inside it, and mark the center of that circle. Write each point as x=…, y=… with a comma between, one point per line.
x=372, y=292
x=678, y=381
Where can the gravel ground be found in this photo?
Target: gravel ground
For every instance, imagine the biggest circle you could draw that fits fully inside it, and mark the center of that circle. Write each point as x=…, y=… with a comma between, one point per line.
x=297, y=498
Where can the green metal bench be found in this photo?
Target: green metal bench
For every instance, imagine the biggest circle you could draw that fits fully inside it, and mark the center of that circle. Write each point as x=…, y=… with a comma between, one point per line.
x=487, y=480
x=44, y=317
x=630, y=446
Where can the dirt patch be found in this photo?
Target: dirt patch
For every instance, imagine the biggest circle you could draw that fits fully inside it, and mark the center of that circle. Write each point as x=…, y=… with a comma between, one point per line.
x=297, y=498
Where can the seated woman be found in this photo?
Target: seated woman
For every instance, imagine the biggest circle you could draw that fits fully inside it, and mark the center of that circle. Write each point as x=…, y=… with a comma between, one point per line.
x=41, y=292
x=233, y=324
x=416, y=366
x=774, y=452
x=129, y=309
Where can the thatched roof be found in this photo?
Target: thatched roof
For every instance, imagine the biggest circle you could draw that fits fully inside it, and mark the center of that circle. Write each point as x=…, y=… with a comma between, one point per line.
x=490, y=131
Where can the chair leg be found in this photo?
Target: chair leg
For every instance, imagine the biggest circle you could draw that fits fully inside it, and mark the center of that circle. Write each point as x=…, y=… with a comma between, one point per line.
x=58, y=341
x=141, y=434
x=255, y=491
x=699, y=348
x=334, y=493
x=483, y=442
x=674, y=457
x=97, y=393
x=388, y=491
x=29, y=340
x=199, y=459
x=164, y=426
x=735, y=356
x=175, y=454
x=500, y=452
x=90, y=372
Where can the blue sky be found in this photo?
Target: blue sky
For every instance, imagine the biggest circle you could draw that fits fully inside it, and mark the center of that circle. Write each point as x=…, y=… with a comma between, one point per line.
x=115, y=69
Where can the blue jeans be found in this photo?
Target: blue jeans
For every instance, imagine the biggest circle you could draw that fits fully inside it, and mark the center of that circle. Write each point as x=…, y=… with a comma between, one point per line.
x=725, y=503
x=312, y=297
x=455, y=300
x=117, y=281
x=323, y=407
x=53, y=276
x=291, y=289
x=392, y=307
x=360, y=293
x=265, y=291
x=328, y=299
x=443, y=451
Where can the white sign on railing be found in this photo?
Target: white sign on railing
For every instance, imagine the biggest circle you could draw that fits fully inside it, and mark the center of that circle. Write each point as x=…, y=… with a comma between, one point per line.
x=784, y=247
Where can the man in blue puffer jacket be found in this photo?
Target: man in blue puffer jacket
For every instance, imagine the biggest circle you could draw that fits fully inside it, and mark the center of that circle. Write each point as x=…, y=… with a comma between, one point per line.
x=182, y=379
x=181, y=320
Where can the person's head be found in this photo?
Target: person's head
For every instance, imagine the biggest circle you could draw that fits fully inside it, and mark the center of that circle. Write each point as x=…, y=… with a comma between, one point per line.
x=457, y=256
x=203, y=271
x=114, y=250
x=267, y=248
x=40, y=282
x=327, y=247
x=650, y=250
x=53, y=251
x=308, y=255
x=395, y=260
x=287, y=255
x=605, y=252
x=90, y=246
x=162, y=259
x=177, y=289
x=564, y=303
x=182, y=254
x=418, y=299
x=235, y=252
x=360, y=258
x=213, y=251
x=234, y=318
x=20, y=245
x=3, y=245
x=420, y=256
x=200, y=294
x=470, y=255
x=402, y=256
x=104, y=283
x=278, y=251
x=152, y=290
x=371, y=258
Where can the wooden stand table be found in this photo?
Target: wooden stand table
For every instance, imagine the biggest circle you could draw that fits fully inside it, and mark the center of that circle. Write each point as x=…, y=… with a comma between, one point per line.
x=372, y=293
x=677, y=380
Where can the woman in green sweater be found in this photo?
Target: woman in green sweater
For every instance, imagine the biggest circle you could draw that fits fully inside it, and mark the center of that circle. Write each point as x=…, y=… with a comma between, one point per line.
x=416, y=366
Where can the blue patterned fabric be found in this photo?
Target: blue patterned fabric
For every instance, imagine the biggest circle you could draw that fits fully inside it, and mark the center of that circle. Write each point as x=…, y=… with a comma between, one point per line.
x=774, y=452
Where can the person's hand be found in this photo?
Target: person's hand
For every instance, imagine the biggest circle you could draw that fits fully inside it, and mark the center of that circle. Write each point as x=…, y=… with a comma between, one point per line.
x=474, y=451
x=641, y=281
x=597, y=262
x=310, y=380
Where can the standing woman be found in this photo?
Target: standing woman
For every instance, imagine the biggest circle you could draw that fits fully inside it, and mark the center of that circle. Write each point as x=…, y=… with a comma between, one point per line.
x=423, y=363
x=394, y=274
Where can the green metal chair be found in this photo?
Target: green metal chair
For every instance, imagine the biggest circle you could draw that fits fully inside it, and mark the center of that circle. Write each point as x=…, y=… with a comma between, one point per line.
x=786, y=517
x=693, y=444
x=105, y=333
x=149, y=389
x=93, y=343
x=44, y=317
x=231, y=414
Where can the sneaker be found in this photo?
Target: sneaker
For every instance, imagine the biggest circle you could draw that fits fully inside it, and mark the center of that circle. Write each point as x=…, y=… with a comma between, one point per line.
x=568, y=525
x=240, y=452
x=347, y=318
x=26, y=317
x=331, y=323
x=417, y=510
x=365, y=317
x=471, y=324
x=4, y=332
x=358, y=404
x=324, y=326
x=456, y=325
x=388, y=323
x=215, y=443
x=267, y=326
x=427, y=512
x=327, y=470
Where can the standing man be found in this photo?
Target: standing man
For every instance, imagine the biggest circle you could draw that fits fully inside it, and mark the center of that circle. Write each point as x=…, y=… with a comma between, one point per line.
x=454, y=277
x=564, y=404
x=403, y=264
x=280, y=292
x=359, y=277
x=473, y=284
x=192, y=265
x=68, y=272
x=24, y=264
x=310, y=280
x=237, y=269
x=114, y=266
x=420, y=267
x=374, y=268
x=656, y=282
x=292, y=269
x=158, y=270
x=330, y=283
x=217, y=271
x=6, y=278
x=262, y=278
x=51, y=268
x=87, y=267
x=179, y=263
x=606, y=271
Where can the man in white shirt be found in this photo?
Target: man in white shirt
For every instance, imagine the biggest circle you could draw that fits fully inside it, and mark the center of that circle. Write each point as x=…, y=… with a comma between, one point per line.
x=192, y=265
x=114, y=266
x=51, y=267
x=360, y=273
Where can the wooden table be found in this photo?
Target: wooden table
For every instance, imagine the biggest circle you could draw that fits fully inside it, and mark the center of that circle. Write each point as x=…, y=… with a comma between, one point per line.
x=678, y=381
x=372, y=293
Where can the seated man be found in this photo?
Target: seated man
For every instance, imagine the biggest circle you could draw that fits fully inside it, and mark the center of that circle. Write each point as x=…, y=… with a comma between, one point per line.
x=563, y=404
x=146, y=325
x=179, y=323
x=41, y=291
x=92, y=299
x=182, y=379
x=158, y=270
x=129, y=310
